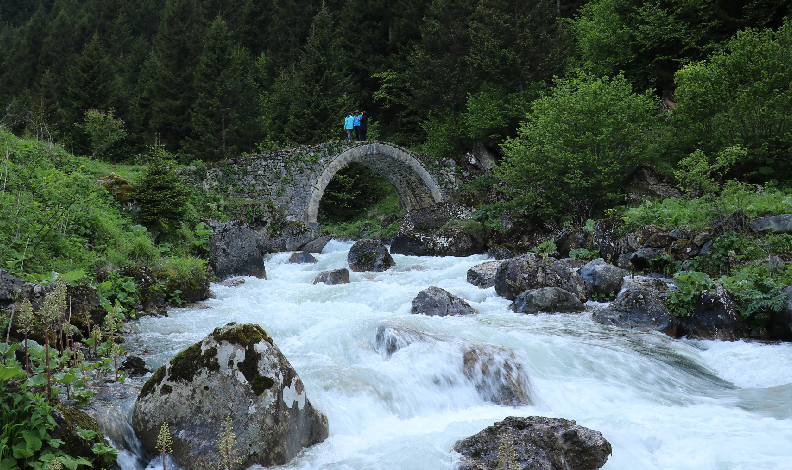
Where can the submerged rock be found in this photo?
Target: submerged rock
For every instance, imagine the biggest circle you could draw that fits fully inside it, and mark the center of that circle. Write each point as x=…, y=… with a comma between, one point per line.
x=530, y=271
x=497, y=375
x=234, y=282
x=442, y=229
x=435, y=301
x=235, y=371
x=539, y=443
x=547, y=299
x=369, y=255
x=391, y=338
x=236, y=250
x=333, y=276
x=302, y=257
x=483, y=275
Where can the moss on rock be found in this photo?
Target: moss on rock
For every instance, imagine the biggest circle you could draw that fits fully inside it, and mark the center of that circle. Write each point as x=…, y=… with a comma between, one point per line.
x=153, y=382
x=242, y=335
x=68, y=420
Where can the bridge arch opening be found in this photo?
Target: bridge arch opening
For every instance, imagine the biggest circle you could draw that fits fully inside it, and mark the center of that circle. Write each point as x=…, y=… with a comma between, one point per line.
x=414, y=185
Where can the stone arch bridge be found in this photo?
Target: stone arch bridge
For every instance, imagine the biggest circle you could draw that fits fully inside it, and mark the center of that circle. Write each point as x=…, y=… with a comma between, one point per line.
x=294, y=180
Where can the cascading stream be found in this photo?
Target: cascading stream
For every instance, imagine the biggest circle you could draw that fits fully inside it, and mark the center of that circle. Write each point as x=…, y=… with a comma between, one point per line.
x=662, y=403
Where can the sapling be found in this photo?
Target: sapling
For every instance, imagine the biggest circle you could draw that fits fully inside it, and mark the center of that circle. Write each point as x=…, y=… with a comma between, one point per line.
x=226, y=447
x=26, y=321
x=164, y=443
x=96, y=335
x=51, y=311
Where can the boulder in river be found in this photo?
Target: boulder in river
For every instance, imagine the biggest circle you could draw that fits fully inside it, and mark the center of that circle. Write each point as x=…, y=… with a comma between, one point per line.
x=236, y=250
x=435, y=301
x=497, y=375
x=302, y=257
x=292, y=236
x=530, y=271
x=538, y=443
x=639, y=307
x=483, y=275
x=135, y=366
x=780, y=326
x=369, y=255
x=714, y=317
x=235, y=371
x=317, y=244
x=547, y=299
x=390, y=338
x=68, y=422
x=234, y=282
x=333, y=277
x=442, y=229
x=605, y=278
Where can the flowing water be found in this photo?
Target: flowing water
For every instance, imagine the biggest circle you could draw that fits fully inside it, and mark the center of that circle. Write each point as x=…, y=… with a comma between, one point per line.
x=662, y=403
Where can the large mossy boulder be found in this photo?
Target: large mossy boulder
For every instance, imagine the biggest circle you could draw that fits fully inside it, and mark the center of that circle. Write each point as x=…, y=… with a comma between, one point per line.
x=435, y=301
x=369, y=255
x=442, y=229
x=530, y=271
x=235, y=371
x=537, y=443
x=236, y=250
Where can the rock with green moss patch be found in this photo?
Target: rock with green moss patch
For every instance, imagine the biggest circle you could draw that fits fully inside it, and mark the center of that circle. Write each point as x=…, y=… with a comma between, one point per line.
x=238, y=371
x=67, y=421
x=369, y=255
x=440, y=230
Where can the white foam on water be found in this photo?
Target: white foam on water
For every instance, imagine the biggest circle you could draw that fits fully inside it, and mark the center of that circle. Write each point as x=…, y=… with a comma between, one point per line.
x=662, y=403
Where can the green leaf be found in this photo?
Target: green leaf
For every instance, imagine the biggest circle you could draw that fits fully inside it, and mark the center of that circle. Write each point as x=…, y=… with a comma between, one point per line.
x=8, y=463
x=11, y=372
x=72, y=276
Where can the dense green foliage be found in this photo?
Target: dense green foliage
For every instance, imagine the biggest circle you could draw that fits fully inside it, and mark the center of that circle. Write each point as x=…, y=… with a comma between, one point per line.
x=576, y=146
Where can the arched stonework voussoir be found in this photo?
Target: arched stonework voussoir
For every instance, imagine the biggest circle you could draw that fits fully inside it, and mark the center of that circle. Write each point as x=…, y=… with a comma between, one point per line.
x=414, y=185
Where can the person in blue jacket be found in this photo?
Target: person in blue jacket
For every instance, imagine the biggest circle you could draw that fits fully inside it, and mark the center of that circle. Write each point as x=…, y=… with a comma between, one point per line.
x=357, y=125
x=349, y=124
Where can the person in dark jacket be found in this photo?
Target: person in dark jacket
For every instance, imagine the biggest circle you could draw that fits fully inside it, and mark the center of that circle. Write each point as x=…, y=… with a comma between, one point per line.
x=357, y=125
x=363, y=128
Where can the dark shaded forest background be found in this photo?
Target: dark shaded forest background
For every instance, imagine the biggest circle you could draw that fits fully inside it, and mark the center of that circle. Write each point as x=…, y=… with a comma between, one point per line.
x=214, y=78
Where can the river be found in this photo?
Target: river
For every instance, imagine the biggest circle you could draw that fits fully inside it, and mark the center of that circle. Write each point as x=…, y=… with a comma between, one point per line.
x=662, y=403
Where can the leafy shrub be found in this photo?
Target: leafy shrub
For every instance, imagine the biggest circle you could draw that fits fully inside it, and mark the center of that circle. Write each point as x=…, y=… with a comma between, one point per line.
x=577, y=145
x=584, y=254
x=689, y=285
x=755, y=294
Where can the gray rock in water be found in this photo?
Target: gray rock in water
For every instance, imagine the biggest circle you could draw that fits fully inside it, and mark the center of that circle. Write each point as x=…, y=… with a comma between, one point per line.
x=780, y=326
x=776, y=224
x=605, y=278
x=391, y=338
x=435, y=301
x=301, y=257
x=236, y=371
x=539, y=443
x=292, y=237
x=639, y=307
x=369, y=255
x=135, y=366
x=483, y=275
x=316, y=245
x=333, y=277
x=547, y=299
x=497, y=375
x=442, y=229
x=234, y=282
x=495, y=372
x=642, y=258
x=714, y=317
x=530, y=271
x=236, y=250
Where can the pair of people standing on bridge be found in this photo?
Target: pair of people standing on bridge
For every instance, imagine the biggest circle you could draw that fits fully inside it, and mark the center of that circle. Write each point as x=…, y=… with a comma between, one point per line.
x=357, y=122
